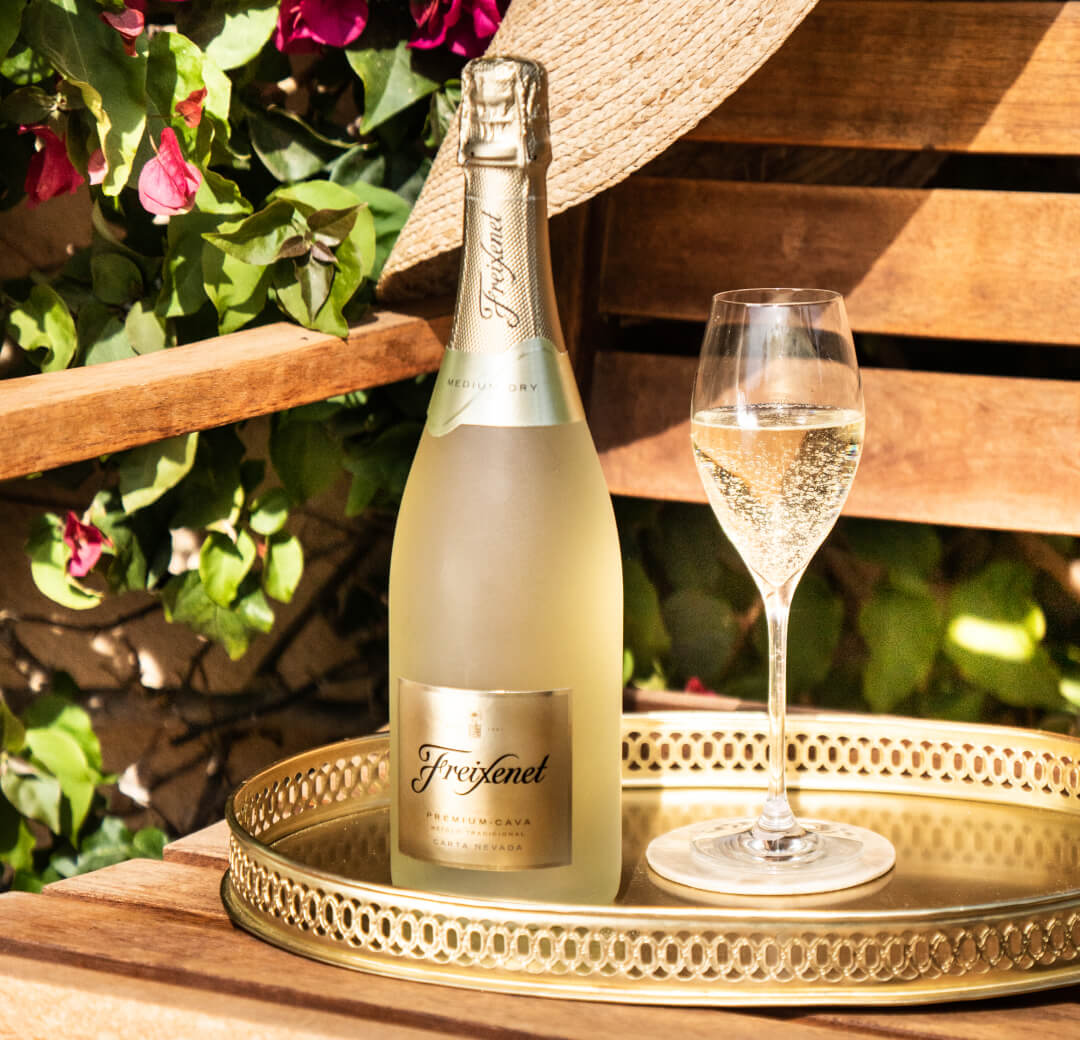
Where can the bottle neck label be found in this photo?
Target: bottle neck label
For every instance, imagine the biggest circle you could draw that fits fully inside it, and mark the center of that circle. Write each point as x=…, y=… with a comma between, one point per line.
x=529, y=384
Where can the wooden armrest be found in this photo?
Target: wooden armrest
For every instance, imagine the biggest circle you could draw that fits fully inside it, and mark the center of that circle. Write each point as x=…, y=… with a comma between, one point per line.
x=56, y=418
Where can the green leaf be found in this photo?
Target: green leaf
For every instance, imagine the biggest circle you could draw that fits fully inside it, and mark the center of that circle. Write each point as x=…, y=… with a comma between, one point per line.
x=183, y=289
x=16, y=840
x=232, y=32
x=44, y=322
x=185, y=601
x=817, y=620
x=145, y=331
x=24, y=66
x=644, y=630
x=109, y=342
x=147, y=472
x=288, y=147
x=111, y=843
x=223, y=565
x=56, y=712
x=213, y=493
x=253, y=609
x=994, y=636
x=444, y=104
x=90, y=55
x=258, y=239
x=270, y=511
x=27, y=105
x=355, y=256
x=127, y=570
x=60, y=754
x=12, y=731
x=149, y=843
x=389, y=211
x=315, y=280
x=48, y=565
x=381, y=465
x=307, y=459
x=391, y=83
x=35, y=797
x=332, y=226
x=117, y=280
x=11, y=12
x=283, y=566
x=907, y=550
x=176, y=68
x=237, y=289
x=703, y=632
x=902, y=631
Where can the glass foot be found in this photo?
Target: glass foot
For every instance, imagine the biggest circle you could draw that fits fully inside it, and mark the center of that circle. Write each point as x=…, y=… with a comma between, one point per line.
x=738, y=857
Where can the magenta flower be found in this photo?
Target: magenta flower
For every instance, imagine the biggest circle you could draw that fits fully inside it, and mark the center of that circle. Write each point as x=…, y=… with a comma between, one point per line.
x=305, y=24
x=464, y=27
x=129, y=23
x=85, y=542
x=96, y=166
x=50, y=172
x=191, y=108
x=167, y=184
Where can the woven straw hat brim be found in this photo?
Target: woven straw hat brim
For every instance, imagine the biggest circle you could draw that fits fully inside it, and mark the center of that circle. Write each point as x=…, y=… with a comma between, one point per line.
x=626, y=78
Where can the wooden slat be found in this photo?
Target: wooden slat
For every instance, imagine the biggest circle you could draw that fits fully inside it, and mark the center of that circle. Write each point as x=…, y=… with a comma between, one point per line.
x=56, y=418
x=974, y=451
x=208, y=847
x=152, y=884
x=142, y=941
x=42, y=1001
x=913, y=74
x=955, y=264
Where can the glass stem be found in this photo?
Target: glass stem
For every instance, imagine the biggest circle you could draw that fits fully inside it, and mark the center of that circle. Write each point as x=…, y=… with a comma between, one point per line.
x=776, y=819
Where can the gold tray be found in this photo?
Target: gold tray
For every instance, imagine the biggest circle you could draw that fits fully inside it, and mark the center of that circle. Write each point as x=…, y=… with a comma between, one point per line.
x=984, y=899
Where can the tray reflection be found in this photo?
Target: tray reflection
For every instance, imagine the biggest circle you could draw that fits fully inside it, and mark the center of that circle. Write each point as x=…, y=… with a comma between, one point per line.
x=951, y=854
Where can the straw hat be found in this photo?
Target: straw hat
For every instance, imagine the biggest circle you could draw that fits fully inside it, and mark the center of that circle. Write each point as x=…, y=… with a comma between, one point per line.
x=626, y=79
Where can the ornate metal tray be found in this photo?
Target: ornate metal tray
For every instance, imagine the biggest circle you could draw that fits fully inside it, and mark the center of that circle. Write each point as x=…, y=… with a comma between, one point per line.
x=984, y=899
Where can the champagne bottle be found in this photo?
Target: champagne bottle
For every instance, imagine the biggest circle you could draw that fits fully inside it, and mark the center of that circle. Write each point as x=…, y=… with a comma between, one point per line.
x=505, y=577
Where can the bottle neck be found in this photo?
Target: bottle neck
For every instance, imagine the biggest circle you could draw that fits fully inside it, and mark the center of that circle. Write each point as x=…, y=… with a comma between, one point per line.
x=505, y=291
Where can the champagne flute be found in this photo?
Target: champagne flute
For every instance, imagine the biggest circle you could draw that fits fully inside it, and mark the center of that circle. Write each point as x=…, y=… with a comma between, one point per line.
x=777, y=423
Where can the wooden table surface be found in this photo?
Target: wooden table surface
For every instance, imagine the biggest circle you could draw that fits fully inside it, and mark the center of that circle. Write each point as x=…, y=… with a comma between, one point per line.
x=145, y=950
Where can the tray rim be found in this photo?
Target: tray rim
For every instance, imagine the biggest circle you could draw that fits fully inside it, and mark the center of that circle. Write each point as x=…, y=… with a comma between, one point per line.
x=669, y=917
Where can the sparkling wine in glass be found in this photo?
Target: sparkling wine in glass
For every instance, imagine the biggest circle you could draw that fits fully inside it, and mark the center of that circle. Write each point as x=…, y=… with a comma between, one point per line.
x=777, y=424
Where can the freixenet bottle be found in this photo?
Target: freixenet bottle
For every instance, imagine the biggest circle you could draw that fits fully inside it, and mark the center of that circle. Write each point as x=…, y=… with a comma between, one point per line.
x=505, y=580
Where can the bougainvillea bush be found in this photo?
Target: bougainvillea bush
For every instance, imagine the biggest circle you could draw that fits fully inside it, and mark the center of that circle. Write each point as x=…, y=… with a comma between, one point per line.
x=247, y=161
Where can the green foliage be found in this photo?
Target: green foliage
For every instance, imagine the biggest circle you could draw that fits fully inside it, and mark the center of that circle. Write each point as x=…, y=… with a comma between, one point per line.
x=53, y=821
x=300, y=197
x=890, y=617
x=44, y=323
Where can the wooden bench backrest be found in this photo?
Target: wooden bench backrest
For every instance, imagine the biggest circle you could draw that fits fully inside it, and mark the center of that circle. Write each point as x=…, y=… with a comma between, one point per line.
x=978, y=265
x=975, y=264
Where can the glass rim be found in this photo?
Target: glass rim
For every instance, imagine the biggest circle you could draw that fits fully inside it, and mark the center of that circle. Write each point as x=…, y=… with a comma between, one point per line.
x=776, y=297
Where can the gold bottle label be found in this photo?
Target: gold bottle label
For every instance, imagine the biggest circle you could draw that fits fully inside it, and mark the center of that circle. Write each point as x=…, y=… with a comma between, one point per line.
x=483, y=776
x=530, y=384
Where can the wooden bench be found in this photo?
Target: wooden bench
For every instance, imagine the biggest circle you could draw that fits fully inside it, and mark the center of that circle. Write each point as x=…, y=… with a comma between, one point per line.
x=973, y=264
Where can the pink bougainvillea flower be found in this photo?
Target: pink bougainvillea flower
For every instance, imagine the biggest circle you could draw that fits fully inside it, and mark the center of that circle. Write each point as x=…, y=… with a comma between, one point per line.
x=129, y=23
x=191, y=108
x=96, y=167
x=305, y=24
x=50, y=172
x=85, y=542
x=464, y=27
x=167, y=184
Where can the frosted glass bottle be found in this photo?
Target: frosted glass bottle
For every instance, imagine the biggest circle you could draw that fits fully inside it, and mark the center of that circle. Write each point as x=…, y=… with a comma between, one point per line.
x=505, y=579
